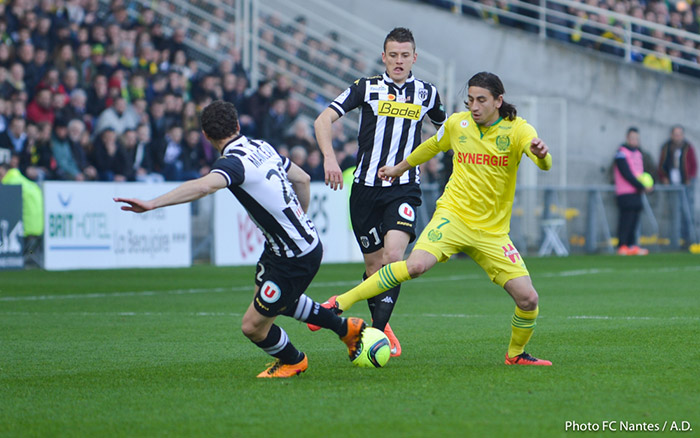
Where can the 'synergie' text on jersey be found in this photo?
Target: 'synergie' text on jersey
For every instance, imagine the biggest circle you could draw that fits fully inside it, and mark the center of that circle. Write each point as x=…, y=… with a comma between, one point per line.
x=485, y=166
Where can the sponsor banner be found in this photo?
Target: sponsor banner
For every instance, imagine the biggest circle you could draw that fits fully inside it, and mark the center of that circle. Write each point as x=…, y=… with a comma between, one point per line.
x=11, y=228
x=86, y=229
x=238, y=241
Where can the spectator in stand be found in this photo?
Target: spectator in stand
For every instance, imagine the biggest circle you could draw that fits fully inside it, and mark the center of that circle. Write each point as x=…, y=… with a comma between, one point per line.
x=97, y=96
x=260, y=102
x=25, y=55
x=347, y=156
x=275, y=123
x=193, y=160
x=119, y=117
x=293, y=109
x=110, y=159
x=157, y=87
x=65, y=58
x=37, y=161
x=14, y=81
x=314, y=165
x=40, y=110
x=59, y=105
x=678, y=166
x=301, y=136
x=298, y=155
x=77, y=108
x=14, y=138
x=659, y=60
x=4, y=112
x=79, y=139
x=173, y=109
x=158, y=128
x=228, y=87
x=190, y=118
x=70, y=81
x=66, y=166
x=283, y=88
x=140, y=157
x=172, y=159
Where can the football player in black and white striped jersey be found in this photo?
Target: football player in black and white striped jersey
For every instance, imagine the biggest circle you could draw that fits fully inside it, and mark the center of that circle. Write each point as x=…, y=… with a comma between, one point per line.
x=275, y=192
x=392, y=108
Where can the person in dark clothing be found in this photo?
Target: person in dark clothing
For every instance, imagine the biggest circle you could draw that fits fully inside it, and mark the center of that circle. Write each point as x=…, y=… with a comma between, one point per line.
x=629, y=166
x=110, y=158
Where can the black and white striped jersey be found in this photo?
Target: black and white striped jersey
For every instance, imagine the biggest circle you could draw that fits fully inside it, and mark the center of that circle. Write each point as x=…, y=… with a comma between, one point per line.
x=390, y=122
x=257, y=176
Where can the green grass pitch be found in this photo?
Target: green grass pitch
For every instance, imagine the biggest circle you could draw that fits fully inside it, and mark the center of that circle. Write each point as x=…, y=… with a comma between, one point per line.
x=160, y=353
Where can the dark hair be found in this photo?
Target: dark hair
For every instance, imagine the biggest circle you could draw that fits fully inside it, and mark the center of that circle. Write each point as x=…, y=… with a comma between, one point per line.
x=219, y=120
x=400, y=35
x=493, y=83
x=632, y=129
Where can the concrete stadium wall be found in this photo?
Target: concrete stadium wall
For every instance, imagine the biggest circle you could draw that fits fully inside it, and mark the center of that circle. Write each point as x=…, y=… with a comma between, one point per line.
x=604, y=96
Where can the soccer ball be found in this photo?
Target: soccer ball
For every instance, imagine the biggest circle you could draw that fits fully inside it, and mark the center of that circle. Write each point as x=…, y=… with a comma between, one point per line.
x=375, y=349
x=646, y=179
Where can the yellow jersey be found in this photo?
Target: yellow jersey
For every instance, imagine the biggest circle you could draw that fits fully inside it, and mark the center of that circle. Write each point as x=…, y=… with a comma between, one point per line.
x=485, y=166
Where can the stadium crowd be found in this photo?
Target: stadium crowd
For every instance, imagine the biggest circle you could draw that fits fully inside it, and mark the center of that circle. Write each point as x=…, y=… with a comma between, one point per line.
x=95, y=95
x=98, y=95
x=601, y=31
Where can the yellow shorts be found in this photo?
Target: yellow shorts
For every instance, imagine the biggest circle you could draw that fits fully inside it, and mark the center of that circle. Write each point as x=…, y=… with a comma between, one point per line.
x=447, y=234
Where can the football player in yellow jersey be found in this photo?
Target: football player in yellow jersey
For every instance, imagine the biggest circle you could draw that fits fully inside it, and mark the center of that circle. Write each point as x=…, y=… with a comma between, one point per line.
x=473, y=214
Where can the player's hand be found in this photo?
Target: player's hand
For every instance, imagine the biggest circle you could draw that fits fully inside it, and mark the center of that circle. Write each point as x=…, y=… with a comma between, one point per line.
x=334, y=176
x=538, y=147
x=135, y=205
x=389, y=173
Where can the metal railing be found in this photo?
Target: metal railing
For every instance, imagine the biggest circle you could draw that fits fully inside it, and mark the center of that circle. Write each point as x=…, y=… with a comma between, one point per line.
x=627, y=37
x=586, y=218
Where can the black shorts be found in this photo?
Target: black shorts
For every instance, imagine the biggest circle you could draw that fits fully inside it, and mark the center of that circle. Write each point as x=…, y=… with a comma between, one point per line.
x=282, y=280
x=376, y=210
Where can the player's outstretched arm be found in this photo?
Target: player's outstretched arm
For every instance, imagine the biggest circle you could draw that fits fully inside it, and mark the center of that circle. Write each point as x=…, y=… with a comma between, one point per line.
x=390, y=173
x=324, y=138
x=186, y=192
x=539, y=152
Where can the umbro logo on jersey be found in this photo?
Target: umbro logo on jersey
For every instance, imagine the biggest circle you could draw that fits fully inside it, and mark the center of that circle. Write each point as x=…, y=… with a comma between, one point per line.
x=387, y=300
x=406, y=212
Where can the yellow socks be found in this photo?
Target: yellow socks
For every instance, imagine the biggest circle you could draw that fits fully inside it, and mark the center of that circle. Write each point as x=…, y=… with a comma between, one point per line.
x=522, y=326
x=384, y=279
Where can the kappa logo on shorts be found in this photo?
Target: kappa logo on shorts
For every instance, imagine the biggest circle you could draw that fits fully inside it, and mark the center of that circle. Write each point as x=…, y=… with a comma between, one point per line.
x=511, y=252
x=270, y=292
x=406, y=212
x=364, y=241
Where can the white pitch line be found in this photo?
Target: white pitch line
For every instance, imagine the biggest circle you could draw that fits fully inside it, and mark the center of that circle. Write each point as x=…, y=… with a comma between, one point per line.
x=334, y=284
x=402, y=315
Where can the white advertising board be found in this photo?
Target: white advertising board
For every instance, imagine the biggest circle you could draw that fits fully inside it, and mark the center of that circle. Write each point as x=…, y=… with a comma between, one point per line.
x=86, y=229
x=237, y=241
